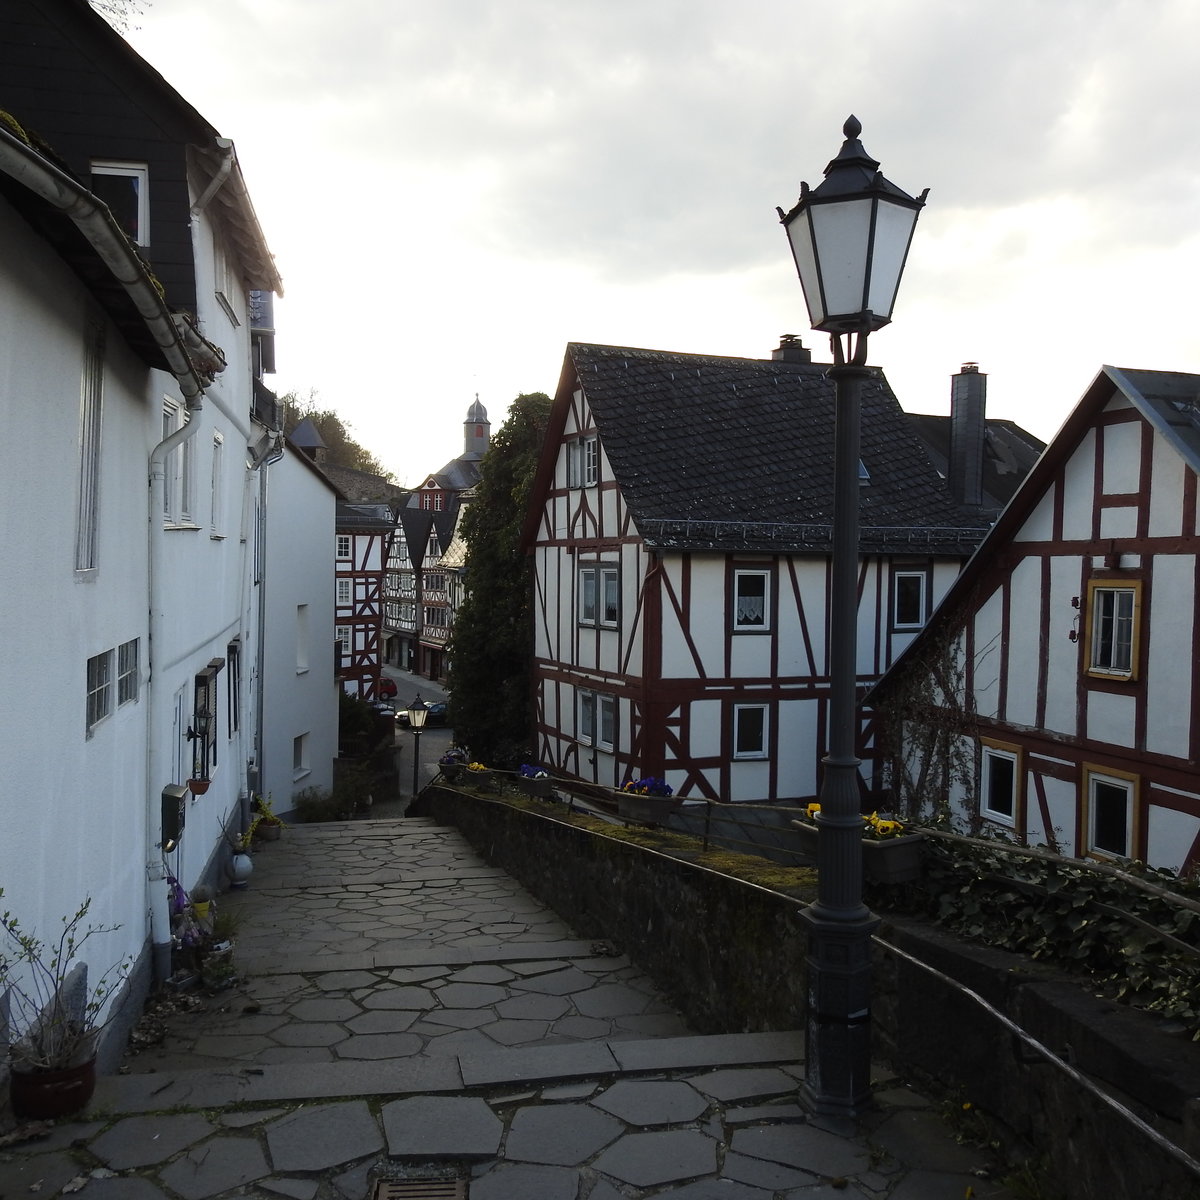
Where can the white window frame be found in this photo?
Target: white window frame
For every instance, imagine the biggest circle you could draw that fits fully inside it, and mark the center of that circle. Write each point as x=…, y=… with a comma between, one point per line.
x=606, y=722
x=233, y=685
x=91, y=424
x=588, y=595
x=128, y=673
x=902, y=620
x=1113, y=632
x=101, y=689
x=301, y=638
x=343, y=545
x=178, y=469
x=1096, y=778
x=586, y=718
x=762, y=749
x=583, y=462
x=747, y=626
x=140, y=174
x=345, y=593
x=994, y=753
x=216, y=508
x=345, y=635
x=300, y=763
x=609, y=597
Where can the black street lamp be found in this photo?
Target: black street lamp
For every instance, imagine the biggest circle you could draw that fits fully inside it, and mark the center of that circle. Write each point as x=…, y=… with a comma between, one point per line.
x=850, y=237
x=418, y=710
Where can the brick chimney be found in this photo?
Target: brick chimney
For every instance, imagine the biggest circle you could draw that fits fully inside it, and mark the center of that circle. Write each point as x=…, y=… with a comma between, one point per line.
x=791, y=350
x=968, y=412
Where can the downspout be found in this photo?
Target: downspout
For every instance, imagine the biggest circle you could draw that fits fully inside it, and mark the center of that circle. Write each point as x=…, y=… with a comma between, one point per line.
x=93, y=219
x=157, y=897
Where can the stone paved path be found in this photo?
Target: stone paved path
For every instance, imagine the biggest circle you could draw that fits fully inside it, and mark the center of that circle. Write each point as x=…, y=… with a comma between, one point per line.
x=410, y=1016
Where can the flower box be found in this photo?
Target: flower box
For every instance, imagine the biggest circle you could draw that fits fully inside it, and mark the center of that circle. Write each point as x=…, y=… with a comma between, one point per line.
x=885, y=860
x=541, y=788
x=646, y=809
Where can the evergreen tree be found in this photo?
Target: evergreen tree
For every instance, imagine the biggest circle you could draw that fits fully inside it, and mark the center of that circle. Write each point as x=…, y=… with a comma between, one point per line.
x=492, y=643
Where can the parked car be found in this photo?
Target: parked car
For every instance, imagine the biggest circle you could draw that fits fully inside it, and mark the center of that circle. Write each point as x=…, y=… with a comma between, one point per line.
x=436, y=716
x=387, y=688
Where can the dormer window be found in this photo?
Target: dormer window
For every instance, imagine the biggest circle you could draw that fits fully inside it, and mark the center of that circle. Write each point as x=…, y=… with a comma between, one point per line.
x=125, y=188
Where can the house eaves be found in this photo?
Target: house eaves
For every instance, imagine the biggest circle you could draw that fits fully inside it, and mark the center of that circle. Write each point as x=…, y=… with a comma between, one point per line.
x=82, y=230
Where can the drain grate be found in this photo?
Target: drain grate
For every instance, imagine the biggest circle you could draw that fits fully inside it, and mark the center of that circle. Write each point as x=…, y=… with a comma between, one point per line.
x=420, y=1189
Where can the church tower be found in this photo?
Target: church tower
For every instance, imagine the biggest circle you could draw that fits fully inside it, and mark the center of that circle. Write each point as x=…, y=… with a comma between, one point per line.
x=476, y=430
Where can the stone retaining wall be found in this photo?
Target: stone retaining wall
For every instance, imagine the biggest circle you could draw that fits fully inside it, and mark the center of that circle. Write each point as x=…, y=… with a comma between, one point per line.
x=731, y=956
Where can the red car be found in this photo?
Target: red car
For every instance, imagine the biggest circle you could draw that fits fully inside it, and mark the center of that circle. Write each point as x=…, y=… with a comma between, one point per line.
x=387, y=688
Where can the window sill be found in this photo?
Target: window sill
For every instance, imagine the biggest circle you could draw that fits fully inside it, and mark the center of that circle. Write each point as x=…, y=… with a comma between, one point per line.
x=301, y=670
x=180, y=526
x=216, y=537
x=303, y=773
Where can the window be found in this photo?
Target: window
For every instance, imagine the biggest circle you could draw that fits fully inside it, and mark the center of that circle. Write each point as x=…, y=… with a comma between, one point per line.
x=999, y=780
x=99, y=689
x=215, y=511
x=300, y=756
x=228, y=285
x=1110, y=812
x=437, y=617
x=597, y=724
x=203, y=731
x=233, y=685
x=1113, y=629
x=587, y=718
x=124, y=187
x=583, y=462
x=439, y=501
x=177, y=489
x=908, y=599
x=91, y=407
x=749, y=731
x=127, y=672
x=301, y=638
x=343, y=545
x=343, y=592
x=606, y=721
x=435, y=583
x=344, y=639
x=751, y=601
x=599, y=596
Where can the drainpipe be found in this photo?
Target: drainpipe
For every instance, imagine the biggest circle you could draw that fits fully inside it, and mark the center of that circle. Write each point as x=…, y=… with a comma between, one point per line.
x=157, y=897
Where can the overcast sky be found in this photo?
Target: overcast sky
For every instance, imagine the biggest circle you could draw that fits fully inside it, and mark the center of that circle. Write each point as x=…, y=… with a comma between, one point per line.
x=454, y=190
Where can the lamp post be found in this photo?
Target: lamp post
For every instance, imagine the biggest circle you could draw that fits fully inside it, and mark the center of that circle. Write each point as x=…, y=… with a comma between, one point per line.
x=850, y=237
x=418, y=710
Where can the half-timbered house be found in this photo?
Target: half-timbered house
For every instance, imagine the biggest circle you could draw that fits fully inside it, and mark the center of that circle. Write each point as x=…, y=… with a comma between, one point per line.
x=363, y=539
x=1068, y=644
x=680, y=536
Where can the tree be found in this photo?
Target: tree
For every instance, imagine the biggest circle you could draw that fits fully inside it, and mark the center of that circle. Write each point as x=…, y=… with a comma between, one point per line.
x=492, y=643
x=120, y=13
x=343, y=450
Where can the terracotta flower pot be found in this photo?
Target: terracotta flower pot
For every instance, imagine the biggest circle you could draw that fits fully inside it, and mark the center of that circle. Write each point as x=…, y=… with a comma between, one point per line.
x=198, y=786
x=42, y=1095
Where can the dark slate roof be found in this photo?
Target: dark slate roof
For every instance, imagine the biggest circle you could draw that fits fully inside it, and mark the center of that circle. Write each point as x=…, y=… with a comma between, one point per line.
x=737, y=454
x=1009, y=453
x=362, y=487
x=1168, y=400
x=364, y=516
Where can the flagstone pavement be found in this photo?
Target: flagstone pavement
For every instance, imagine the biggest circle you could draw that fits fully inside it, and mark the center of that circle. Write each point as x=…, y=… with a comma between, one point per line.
x=407, y=1020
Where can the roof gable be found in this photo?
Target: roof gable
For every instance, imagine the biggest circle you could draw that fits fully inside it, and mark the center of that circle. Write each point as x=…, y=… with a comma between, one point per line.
x=734, y=453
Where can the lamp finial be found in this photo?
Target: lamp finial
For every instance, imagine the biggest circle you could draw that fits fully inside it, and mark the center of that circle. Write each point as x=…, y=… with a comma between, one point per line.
x=852, y=127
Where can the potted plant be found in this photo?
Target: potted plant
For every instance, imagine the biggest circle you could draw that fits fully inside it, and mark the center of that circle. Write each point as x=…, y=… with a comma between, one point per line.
x=533, y=781
x=649, y=800
x=452, y=763
x=482, y=777
x=56, y=1014
x=891, y=853
x=265, y=825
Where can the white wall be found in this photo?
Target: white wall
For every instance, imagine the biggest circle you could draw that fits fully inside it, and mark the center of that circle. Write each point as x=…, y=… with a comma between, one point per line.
x=299, y=700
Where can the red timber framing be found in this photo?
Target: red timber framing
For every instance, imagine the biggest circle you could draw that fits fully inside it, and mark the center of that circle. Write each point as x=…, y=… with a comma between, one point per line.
x=1079, y=622
x=667, y=683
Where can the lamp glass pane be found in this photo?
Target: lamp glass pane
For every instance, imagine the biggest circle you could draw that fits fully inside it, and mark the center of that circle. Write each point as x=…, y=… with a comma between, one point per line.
x=800, y=235
x=893, y=231
x=842, y=232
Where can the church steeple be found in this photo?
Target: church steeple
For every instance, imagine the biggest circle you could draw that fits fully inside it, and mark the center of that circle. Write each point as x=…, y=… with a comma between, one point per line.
x=476, y=429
